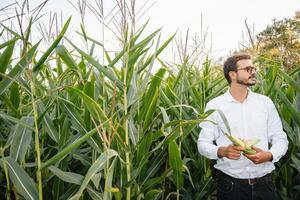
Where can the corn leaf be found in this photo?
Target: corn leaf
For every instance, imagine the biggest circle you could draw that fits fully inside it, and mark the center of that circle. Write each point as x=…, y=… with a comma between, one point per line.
x=68, y=177
x=176, y=164
x=21, y=139
x=21, y=180
x=5, y=58
x=61, y=154
x=41, y=61
x=97, y=166
x=17, y=70
x=66, y=57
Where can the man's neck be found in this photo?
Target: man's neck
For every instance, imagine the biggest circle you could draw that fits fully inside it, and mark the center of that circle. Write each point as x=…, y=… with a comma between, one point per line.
x=238, y=92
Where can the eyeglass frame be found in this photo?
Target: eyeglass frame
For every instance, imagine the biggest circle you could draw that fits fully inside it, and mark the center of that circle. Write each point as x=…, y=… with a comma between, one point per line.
x=249, y=69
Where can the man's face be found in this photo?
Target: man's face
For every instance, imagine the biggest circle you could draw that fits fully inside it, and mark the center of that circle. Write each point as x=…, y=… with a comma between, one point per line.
x=246, y=73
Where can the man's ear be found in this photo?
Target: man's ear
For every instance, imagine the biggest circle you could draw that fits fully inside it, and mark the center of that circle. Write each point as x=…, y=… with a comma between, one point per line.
x=232, y=75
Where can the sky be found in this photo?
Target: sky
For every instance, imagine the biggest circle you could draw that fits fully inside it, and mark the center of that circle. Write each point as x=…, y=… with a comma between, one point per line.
x=223, y=21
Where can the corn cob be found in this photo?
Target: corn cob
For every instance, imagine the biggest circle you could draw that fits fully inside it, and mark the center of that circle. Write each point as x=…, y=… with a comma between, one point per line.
x=246, y=144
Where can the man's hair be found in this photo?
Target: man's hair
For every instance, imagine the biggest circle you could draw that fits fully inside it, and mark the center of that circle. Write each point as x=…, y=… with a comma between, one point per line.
x=230, y=63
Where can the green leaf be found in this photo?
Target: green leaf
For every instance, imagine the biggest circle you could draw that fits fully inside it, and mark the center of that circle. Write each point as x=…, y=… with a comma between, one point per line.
x=144, y=146
x=21, y=180
x=184, y=122
x=271, y=78
x=17, y=70
x=90, y=39
x=156, y=53
x=155, y=165
x=106, y=71
x=78, y=123
x=133, y=47
x=108, y=181
x=176, y=164
x=296, y=161
x=93, y=107
x=74, y=115
x=165, y=118
x=151, y=97
x=154, y=194
x=168, y=101
x=89, y=89
x=11, y=31
x=7, y=43
x=62, y=153
x=83, y=32
x=5, y=58
x=21, y=139
x=96, y=179
x=288, y=105
x=26, y=38
x=133, y=133
x=156, y=181
x=66, y=57
x=48, y=124
x=290, y=80
x=68, y=177
x=15, y=95
x=97, y=166
x=94, y=194
x=40, y=62
x=16, y=121
x=64, y=133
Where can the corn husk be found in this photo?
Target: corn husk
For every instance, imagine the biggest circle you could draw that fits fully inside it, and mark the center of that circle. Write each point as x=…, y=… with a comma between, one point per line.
x=245, y=143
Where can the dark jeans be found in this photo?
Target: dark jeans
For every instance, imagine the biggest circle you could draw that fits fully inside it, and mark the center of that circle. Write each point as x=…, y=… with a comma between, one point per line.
x=229, y=188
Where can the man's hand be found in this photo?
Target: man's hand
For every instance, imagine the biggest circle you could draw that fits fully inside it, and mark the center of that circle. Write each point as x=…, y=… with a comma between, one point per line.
x=261, y=156
x=231, y=152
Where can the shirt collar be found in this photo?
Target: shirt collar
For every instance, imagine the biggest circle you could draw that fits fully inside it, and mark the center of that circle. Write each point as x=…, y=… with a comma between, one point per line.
x=230, y=98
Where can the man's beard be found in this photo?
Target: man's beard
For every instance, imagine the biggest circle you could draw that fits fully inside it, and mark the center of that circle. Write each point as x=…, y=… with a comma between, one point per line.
x=246, y=81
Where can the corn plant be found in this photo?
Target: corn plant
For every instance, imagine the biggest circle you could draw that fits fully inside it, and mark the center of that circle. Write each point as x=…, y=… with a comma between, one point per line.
x=73, y=127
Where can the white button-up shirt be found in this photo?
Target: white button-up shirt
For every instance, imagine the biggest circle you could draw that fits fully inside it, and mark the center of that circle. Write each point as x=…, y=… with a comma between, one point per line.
x=255, y=118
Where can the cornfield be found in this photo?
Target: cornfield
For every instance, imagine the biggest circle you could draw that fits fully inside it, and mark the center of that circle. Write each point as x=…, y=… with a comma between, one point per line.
x=72, y=127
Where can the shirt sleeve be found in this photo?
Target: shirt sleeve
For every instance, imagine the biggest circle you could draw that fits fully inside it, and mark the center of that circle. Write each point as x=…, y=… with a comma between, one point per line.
x=208, y=135
x=276, y=136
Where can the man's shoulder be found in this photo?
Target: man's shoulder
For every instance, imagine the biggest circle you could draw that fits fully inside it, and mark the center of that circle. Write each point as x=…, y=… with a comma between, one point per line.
x=217, y=100
x=261, y=97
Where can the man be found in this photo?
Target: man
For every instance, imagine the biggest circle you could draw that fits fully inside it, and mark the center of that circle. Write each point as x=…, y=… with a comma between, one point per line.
x=250, y=116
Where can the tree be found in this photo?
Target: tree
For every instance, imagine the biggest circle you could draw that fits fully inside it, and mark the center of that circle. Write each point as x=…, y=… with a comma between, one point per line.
x=280, y=42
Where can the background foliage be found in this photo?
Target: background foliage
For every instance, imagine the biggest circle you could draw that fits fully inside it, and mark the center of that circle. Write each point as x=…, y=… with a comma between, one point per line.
x=75, y=127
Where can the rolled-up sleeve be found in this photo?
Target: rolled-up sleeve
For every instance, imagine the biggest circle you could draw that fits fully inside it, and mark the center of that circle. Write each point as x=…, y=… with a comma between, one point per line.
x=277, y=137
x=207, y=136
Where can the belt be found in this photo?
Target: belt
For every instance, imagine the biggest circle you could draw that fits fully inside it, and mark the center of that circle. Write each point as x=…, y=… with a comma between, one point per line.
x=249, y=181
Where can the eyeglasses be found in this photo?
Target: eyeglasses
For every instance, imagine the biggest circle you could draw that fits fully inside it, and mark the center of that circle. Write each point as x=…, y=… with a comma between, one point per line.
x=249, y=69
